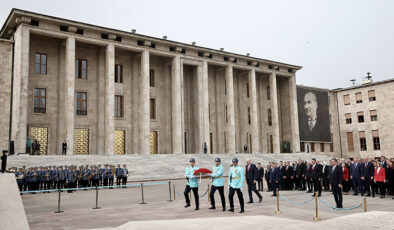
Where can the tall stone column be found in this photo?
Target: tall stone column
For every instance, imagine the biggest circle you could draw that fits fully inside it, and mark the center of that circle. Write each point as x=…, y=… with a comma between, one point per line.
x=20, y=93
x=109, y=99
x=144, y=101
x=230, y=109
x=295, y=133
x=275, y=113
x=176, y=105
x=69, y=100
x=253, y=112
x=203, y=106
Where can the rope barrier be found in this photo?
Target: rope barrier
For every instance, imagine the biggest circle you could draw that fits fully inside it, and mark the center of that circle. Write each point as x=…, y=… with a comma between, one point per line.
x=293, y=202
x=333, y=207
x=99, y=187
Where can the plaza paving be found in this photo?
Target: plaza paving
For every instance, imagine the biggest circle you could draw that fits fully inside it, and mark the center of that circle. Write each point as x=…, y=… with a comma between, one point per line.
x=121, y=207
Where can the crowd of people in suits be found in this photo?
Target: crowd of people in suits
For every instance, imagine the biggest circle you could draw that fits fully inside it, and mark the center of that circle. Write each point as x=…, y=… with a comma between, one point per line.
x=365, y=176
x=69, y=176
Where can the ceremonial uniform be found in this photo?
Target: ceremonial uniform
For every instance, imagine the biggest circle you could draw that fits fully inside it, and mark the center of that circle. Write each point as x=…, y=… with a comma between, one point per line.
x=106, y=175
x=217, y=183
x=19, y=179
x=192, y=184
x=236, y=182
x=118, y=174
x=125, y=174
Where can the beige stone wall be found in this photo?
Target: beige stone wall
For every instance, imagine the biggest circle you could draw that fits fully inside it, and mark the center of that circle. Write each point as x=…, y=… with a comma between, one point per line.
x=385, y=124
x=5, y=90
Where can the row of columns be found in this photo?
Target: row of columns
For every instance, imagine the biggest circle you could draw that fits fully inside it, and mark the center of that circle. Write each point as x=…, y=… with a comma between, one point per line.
x=19, y=132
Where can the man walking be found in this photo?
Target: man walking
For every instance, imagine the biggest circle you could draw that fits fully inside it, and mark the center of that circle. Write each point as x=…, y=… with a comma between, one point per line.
x=236, y=182
x=251, y=178
x=192, y=184
x=260, y=176
x=217, y=183
x=336, y=181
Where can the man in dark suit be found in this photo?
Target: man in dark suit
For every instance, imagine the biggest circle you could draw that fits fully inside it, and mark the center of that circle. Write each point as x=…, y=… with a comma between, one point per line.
x=300, y=174
x=368, y=175
x=267, y=177
x=356, y=174
x=288, y=176
x=260, y=176
x=308, y=177
x=64, y=147
x=316, y=176
x=251, y=178
x=336, y=181
x=274, y=177
x=281, y=175
x=325, y=176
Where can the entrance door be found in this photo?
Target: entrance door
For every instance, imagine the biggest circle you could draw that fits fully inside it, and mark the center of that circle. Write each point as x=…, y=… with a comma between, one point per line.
x=119, y=142
x=41, y=135
x=153, y=142
x=81, y=141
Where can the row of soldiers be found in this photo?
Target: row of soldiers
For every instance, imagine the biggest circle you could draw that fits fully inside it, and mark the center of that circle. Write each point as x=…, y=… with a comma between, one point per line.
x=69, y=176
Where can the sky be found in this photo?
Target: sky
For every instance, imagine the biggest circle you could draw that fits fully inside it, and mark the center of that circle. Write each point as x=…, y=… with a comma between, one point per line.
x=334, y=40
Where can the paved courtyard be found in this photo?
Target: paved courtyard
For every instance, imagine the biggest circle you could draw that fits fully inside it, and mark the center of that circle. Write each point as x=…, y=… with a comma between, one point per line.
x=119, y=206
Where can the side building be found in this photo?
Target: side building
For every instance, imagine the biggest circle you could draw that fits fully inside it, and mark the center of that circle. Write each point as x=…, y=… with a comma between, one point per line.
x=105, y=91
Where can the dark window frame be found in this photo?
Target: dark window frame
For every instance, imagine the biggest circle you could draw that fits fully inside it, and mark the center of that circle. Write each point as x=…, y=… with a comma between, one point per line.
x=119, y=106
x=80, y=110
x=118, y=73
x=39, y=108
x=152, y=78
x=80, y=69
x=363, y=144
x=376, y=143
x=269, y=117
x=152, y=104
x=40, y=63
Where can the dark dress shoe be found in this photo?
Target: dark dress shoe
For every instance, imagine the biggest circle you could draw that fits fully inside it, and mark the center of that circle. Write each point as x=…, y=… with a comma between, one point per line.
x=250, y=202
x=212, y=207
x=242, y=211
x=224, y=209
x=260, y=199
x=273, y=195
x=339, y=206
x=197, y=208
x=231, y=210
x=187, y=205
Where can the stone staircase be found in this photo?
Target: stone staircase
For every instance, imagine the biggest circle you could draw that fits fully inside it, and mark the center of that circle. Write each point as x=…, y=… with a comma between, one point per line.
x=163, y=166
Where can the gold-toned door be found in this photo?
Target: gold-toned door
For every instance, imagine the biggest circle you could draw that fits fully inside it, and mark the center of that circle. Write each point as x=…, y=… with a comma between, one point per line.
x=40, y=134
x=119, y=142
x=153, y=142
x=81, y=141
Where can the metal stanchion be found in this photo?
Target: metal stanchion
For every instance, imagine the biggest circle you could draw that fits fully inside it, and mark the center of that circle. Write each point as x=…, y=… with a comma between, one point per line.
x=317, y=211
x=365, y=204
x=97, y=207
x=58, y=203
x=142, y=193
x=209, y=197
x=173, y=186
x=277, y=201
x=169, y=191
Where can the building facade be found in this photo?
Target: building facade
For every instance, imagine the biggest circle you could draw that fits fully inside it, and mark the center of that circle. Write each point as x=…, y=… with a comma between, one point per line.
x=105, y=91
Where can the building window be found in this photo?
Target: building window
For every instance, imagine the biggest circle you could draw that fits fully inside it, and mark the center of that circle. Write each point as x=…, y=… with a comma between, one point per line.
x=249, y=115
x=313, y=147
x=225, y=87
x=374, y=115
x=332, y=144
x=346, y=99
x=119, y=106
x=376, y=140
x=360, y=117
x=225, y=113
x=268, y=92
x=348, y=117
x=350, y=142
x=247, y=89
x=359, y=98
x=330, y=120
x=82, y=69
x=40, y=97
x=363, y=141
x=82, y=103
x=209, y=112
x=152, y=78
x=371, y=95
x=321, y=147
x=152, y=108
x=41, y=64
x=302, y=147
x=269, y=117
x=118, y=73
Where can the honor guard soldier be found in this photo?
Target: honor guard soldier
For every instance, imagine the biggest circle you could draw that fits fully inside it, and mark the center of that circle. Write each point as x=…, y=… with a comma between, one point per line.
x=106, y=174
x=100, y=171
x=70, y=179
x=85, y=176
x=19, y=179
x=192, y=184
x=118, y=174
x=236, y=182
x=111, y=176
x=125, y=174
x=217, y=183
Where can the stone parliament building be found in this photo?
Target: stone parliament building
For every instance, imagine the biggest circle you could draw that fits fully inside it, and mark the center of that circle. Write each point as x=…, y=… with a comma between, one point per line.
x=105, y=91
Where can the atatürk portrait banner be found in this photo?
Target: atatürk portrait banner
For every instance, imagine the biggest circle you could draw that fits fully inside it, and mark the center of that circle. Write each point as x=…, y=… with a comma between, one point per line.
x=313, y=115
